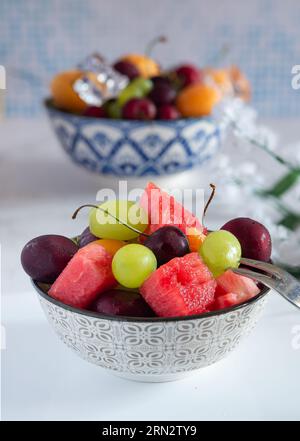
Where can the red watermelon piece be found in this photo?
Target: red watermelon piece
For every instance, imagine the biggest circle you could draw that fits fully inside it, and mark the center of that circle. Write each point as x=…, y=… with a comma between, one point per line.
x=228, y=301
x=230, y=282
x=162, y=209
x=233, y=289
x=87, y=275
x=183, y=286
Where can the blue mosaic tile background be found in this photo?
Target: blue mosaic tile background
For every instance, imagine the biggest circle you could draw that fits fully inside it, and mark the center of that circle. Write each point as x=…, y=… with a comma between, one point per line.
x=41, y=37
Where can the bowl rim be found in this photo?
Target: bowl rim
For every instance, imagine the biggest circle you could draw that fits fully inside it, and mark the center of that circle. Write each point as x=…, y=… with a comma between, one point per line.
x=265, y=290
x=48, y=104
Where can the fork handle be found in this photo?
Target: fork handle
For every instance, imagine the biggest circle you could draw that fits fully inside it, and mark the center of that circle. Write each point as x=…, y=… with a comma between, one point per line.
x=289, y=288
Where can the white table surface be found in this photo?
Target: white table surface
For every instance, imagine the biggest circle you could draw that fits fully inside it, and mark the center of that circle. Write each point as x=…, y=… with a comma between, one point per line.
x=41, y=379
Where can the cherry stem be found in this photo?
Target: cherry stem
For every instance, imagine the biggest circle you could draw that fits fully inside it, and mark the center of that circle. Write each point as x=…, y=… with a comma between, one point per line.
x=74, y=215
x=212, y=195
x=221, y=55
x=150, y=46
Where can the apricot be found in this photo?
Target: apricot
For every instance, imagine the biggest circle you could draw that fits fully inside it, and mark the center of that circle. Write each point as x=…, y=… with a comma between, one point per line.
x=111, y=245
x=221, y=78
x=197, y=100
x=64, y=96
x=145, y=65
x=195, y=239
x=241, y=84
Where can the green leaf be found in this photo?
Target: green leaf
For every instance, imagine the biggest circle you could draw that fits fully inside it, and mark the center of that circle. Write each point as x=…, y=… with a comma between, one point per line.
x=290, y=221
x=282, y=186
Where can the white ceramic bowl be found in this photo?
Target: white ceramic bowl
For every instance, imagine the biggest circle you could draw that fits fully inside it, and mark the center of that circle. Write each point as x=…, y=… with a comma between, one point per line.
x=135, y=148
x=152, y=349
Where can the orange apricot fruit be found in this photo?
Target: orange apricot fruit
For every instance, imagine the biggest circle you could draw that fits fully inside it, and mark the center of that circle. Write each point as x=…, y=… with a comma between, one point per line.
x=111, y=245
x=63, y=94
x=221, y=78
x=145, y=65
x=197, y=100
x=241, y=84
x=195, y=239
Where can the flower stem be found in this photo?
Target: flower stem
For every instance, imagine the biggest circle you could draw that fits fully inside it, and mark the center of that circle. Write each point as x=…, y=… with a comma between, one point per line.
x=266, y=149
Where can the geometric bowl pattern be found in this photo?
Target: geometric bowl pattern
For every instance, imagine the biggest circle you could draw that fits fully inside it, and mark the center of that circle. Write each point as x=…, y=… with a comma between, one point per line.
x=135, y=148
x=152, y=349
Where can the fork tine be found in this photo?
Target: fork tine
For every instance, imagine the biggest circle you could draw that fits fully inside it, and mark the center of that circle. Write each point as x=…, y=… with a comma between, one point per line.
x=263, y=278
x=286, y=285
x=264, y=266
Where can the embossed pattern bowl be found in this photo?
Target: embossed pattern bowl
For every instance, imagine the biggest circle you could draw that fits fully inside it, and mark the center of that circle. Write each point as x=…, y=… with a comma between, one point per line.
x=135, y=148
x=152, y=349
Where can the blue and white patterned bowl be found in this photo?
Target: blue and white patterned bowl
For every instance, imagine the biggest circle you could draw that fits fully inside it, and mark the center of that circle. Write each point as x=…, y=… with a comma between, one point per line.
x=135, y=148
x=152, y=349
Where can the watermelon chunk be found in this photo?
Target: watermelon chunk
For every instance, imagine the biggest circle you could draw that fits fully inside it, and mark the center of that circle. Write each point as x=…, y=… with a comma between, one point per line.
x=183, y=286
x=162, y=209
x=220, y=291
x=228, y=301
x=233, y=289
x=87, y=275
x=233, y=283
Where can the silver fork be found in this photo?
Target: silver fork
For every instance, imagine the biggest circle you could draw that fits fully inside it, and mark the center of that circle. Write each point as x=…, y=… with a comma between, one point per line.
x=276, y=278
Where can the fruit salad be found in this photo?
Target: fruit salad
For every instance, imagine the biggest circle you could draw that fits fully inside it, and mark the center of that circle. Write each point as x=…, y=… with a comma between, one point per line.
x=148, y=259
x=136, y=87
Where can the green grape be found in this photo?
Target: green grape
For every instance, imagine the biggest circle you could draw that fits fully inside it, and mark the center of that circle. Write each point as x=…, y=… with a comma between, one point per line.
x=104, y=226
x=114, y=109
x=221, y=251
x=133, y=264
x=138, y=88
x=142, y=84
x=131, y=91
